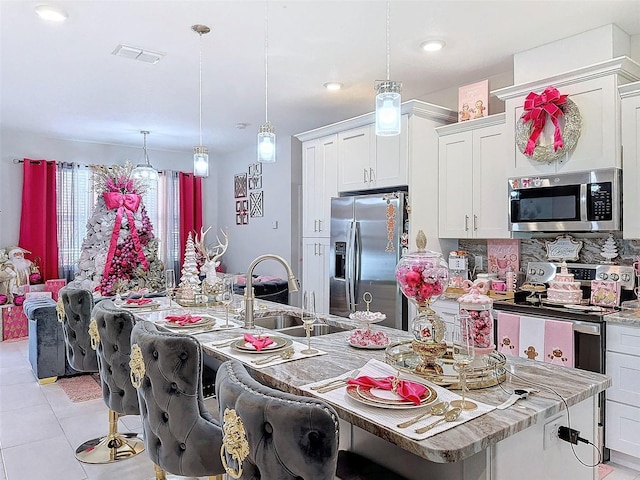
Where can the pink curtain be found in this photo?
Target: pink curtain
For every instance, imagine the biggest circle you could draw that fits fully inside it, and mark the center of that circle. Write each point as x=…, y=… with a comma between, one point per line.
x=38, y=222
x=190, y=208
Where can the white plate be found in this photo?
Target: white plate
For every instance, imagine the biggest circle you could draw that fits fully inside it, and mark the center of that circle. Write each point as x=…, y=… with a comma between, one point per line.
x=367, y=347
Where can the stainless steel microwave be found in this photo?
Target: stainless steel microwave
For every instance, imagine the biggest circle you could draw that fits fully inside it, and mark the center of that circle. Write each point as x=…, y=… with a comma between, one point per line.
x=567, y=202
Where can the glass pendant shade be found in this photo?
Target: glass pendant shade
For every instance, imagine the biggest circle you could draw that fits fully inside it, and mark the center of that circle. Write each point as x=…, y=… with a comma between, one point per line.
x=201, y=161
x=388, y=108
x=144, y=171
x=266, y=143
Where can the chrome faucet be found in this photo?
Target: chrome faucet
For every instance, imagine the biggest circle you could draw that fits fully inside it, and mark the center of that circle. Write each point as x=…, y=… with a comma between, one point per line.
x=249, y=294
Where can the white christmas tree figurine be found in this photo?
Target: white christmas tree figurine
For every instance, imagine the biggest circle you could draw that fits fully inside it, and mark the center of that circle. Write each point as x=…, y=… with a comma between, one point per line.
x=189, y=281
x=609, y=249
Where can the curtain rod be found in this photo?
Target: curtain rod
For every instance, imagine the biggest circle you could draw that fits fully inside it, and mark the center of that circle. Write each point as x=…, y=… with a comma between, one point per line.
x=20, y=160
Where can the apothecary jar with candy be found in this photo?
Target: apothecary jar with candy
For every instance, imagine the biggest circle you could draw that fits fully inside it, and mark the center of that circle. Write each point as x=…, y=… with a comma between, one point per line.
x=479, y=307
x=422, y=276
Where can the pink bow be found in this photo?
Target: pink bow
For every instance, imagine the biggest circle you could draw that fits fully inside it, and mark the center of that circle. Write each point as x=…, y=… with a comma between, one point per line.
x=537, y=107
x=414, y=392
x=258, y=343
x=126, y=203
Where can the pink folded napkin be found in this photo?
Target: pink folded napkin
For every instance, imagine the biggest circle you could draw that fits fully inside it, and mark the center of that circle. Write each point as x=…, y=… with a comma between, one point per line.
x=139, y=301
x=182, y=320
x=408, y=390
x=258, y=343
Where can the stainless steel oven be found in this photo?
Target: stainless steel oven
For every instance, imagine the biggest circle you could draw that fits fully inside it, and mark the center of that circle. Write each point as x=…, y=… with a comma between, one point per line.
x=571, y=202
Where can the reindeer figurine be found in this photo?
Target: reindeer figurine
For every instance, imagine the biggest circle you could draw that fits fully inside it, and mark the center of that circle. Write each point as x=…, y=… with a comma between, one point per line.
x=211, y=257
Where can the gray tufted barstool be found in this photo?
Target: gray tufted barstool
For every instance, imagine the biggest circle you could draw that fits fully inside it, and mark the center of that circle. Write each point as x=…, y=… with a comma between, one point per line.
x=279, y=436
x=181, y=437
x=74, y=312
x=110, y=331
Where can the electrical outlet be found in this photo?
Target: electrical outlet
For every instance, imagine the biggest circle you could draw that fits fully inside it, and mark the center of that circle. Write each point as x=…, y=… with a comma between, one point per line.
x=551, y=439
x=479, y=262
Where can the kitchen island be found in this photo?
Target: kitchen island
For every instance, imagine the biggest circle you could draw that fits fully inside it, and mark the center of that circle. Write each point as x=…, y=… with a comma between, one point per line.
x=516, y=443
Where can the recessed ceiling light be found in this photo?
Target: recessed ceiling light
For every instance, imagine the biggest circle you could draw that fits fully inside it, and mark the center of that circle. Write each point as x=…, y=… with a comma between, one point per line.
x=241, y=125
x=432, y=45
x=333, y=86
x=51, y=13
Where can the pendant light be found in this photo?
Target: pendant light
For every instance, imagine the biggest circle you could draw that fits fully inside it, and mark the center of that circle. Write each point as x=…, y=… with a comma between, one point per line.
x=144, y=171
x=266, y=132
x=200, y=153
x=388, y=99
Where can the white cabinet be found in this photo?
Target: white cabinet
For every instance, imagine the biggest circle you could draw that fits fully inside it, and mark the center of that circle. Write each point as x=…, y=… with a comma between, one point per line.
x=594, y=90
x=319, y=171
x=630, y=99
x=623, y=397
x=367, y=161
x=447, y=310
x=472, y=180
x=315, y=271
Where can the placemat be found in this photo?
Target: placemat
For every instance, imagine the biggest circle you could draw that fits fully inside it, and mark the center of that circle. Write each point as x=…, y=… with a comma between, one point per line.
x=390, y=418
x=218, y=326
x=248, y=358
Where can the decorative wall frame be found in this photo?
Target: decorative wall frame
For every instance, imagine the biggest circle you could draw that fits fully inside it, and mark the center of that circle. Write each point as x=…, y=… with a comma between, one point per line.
x=240, y=185
x=242, y=213
x=256, y=204
x=255, y=176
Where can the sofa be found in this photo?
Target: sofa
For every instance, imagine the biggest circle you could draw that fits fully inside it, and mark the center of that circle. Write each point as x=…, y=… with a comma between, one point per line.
x=266, y=288
x=47, y=354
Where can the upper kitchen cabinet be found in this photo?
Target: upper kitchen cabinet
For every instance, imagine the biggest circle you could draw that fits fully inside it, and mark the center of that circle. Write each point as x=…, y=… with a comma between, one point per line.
x=630, y=99
x=594, y=90
x=319, y=179
x=472, y=179
x=367, y=161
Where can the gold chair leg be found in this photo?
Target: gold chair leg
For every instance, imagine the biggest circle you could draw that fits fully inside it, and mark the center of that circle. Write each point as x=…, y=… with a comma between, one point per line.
x=160, y=475
x=112, y=448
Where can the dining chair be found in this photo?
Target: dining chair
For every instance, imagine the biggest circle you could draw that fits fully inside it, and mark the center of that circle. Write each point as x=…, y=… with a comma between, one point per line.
x=74, y=309
x=181, y=436
x=110, y=331
x=275, y=435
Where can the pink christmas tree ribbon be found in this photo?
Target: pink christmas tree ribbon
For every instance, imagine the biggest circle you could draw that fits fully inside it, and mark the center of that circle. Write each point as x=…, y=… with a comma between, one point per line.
x=126, y=203
x=537, y=107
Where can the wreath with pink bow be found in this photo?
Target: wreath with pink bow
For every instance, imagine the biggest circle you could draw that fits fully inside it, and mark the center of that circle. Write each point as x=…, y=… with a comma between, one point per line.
x=565, y=120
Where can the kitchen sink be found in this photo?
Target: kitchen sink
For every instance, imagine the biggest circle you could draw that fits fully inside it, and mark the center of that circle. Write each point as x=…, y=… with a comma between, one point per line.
x=277, y=322
x=318, y=329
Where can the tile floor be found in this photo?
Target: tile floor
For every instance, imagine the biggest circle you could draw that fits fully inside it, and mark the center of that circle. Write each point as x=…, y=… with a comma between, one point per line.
x=40, y=429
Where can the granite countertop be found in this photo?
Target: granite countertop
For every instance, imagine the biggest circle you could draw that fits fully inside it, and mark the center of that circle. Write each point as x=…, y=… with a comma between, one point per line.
x=454, y=444
x=625, y=317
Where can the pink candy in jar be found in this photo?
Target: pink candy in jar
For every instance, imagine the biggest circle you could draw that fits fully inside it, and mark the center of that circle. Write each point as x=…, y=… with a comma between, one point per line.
x=479, y=307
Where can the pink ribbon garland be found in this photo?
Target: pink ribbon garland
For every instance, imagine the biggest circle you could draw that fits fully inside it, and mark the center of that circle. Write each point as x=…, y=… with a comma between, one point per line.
x=537, y=107
x=126, y=203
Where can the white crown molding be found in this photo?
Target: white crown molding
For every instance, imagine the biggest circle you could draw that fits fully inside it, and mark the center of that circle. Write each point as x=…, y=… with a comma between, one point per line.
x=629, y=90
x=410, y=107
x=495, y=119
x=623, y=66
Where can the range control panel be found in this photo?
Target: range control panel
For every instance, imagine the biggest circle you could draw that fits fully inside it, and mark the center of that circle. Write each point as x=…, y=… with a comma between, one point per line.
x=543, y=272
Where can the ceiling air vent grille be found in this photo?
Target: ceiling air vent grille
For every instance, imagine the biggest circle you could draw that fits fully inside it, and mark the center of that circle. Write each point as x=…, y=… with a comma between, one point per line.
x=137, y=53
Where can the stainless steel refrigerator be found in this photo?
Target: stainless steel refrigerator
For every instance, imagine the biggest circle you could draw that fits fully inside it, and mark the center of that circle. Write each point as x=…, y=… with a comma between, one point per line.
x=366, y=244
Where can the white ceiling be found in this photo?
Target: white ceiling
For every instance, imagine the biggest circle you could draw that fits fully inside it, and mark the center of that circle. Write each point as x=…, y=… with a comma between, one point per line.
x=61, y=80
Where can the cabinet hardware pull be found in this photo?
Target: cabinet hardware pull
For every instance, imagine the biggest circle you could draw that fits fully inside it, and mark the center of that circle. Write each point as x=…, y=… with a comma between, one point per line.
x=315, y=225
x=366, y=180
x=372, y=177
x=466, y=223
x=475, y=222
x=319, y=225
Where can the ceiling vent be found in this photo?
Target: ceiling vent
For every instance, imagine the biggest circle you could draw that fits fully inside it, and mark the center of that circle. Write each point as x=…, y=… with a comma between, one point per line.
x=137, y=53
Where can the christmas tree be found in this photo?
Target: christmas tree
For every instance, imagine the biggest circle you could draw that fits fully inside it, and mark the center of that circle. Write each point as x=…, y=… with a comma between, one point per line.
x=189, y=280
x=119, y=253
x=609, y=249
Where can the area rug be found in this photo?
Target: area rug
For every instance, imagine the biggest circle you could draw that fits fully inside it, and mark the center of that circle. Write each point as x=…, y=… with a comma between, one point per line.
x=604, y=470
x=81, y=387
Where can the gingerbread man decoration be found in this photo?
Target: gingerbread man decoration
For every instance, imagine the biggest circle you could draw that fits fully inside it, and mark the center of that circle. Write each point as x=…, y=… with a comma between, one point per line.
x=505, y=345
x=556, y=356
x=531, y=353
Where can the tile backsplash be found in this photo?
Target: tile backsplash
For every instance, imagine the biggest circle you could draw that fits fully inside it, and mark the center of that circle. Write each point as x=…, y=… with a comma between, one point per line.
x=534, y=249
